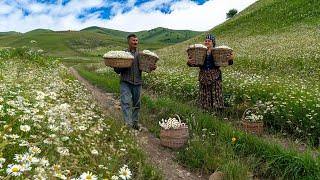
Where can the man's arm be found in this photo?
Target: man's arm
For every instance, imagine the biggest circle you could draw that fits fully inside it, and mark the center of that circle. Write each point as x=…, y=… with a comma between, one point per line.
x=119, y=70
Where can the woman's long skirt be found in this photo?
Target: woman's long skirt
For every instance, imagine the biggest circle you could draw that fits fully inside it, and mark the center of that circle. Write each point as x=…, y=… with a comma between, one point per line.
x=210, y=93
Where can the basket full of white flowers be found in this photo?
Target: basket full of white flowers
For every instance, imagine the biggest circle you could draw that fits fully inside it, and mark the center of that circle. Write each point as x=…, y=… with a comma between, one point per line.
x=198, y=53
x=147, y=59
x=173, y=134
x=222, y=55
x=118, y=59
x=252, y=121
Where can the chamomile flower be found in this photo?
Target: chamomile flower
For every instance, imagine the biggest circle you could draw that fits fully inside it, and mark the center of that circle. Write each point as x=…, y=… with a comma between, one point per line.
x=94, y=152
x=14, y=170
x=115, y=177
x=19, y=157
x=25, y=128
x=88, y=176
x=125, y=173
x=34, y=150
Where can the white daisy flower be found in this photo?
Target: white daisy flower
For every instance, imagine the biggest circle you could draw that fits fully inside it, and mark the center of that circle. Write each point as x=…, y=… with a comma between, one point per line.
x=25, y=128
x=34, y=150
x=125, y=173
x=114, y=178
x=60, y=175
x=26, y=167
x=94, y=152
x=88, y=176
x=14, y=170
x=19, y=157
x=44, y=162
x=63, y=151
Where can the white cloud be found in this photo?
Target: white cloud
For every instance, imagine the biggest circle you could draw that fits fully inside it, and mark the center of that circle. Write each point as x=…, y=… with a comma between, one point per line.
x=184, y=14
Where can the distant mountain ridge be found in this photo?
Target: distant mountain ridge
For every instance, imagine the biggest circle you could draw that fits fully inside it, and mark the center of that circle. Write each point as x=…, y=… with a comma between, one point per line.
x=91, y=41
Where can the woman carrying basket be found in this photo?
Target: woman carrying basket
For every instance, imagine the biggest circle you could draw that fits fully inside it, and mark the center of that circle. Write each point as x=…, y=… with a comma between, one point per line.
x=210, y=79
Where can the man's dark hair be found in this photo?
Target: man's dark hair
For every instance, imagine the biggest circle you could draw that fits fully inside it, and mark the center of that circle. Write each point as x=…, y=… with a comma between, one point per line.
x=131, y=35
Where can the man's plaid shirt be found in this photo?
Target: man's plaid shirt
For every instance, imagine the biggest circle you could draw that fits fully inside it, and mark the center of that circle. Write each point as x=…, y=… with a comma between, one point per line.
x=132, y=75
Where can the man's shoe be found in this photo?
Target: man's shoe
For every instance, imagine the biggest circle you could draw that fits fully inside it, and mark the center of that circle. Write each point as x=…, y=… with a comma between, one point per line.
x=136, y=127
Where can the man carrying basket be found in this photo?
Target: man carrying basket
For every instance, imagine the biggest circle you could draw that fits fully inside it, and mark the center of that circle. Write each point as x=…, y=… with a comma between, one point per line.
x=210, y=78
x=130, y=85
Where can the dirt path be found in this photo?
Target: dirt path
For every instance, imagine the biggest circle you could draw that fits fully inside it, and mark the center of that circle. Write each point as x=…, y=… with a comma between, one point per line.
x=159, y=156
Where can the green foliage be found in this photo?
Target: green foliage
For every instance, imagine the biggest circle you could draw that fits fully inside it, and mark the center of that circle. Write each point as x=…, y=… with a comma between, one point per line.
x=231, y=13
x=211, y=148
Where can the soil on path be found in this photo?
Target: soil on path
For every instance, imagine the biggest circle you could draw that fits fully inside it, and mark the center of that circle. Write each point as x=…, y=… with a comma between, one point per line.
x=159, y=156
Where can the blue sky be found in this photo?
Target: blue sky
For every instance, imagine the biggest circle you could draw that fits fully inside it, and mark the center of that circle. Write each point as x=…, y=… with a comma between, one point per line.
x=127, y=15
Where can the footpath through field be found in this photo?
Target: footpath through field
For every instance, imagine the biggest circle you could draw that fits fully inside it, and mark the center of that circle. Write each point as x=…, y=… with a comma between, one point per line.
x=161, y=157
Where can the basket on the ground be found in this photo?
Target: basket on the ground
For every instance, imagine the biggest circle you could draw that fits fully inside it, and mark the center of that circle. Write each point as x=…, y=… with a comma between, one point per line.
x=220, y=55
x=251, y=127
x=146, y=61
x=118, y=59
x=198, y=53
x=174, y=138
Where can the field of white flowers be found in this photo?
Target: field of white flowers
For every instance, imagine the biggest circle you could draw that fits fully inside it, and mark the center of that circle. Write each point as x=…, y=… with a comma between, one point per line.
x=277, y=72
x=51, y=128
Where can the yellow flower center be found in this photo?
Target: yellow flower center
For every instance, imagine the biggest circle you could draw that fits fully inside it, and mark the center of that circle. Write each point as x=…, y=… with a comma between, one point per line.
x=15, y=169
x=88, y=177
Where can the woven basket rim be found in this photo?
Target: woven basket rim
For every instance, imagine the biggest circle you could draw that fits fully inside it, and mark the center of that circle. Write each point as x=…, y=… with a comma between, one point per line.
x=142, y=53
x=108, y=58
x=184, y=127
x=192, y=48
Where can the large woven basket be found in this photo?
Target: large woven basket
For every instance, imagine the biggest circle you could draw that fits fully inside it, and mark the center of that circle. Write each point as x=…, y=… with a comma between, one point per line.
x=174, y=138
x=220, y=56
x=198, y=54
x=146, y=61
x=251, y=127
x=118, y=62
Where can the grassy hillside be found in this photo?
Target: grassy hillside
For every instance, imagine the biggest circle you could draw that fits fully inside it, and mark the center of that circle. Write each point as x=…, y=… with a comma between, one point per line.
x=92, y=41
x=276, y=65
x=157, y=35
x=113, y=33
x=165, y=35
x=270, y=36
x=8, y=33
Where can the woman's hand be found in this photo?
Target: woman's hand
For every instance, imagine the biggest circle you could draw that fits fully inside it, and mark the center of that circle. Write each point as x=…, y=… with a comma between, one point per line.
x=153, y=67
x=191, y=61
x=230, y=56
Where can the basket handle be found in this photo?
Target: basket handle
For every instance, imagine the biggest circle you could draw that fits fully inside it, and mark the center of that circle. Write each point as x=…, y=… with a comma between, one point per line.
x=178, y=117
x=245, y=111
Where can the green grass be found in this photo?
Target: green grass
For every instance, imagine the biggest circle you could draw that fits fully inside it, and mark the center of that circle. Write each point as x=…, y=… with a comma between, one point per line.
x=110, y=85
x=210, y=147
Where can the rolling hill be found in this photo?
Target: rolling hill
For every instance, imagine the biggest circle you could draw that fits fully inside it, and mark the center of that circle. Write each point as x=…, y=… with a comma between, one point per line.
x=162, y=35
x=8, y=33
x=275, y=36
x=91, y=41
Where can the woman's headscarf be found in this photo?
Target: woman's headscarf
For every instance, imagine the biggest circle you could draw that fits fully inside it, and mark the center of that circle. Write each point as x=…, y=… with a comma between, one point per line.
x=212, y=38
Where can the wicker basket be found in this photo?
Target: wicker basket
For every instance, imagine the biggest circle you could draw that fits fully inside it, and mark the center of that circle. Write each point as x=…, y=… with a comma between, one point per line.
x=220, y=56
x=174, y=138
x=198, y=54
x=118, y=62
x=251, y=127
x=146, y=61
